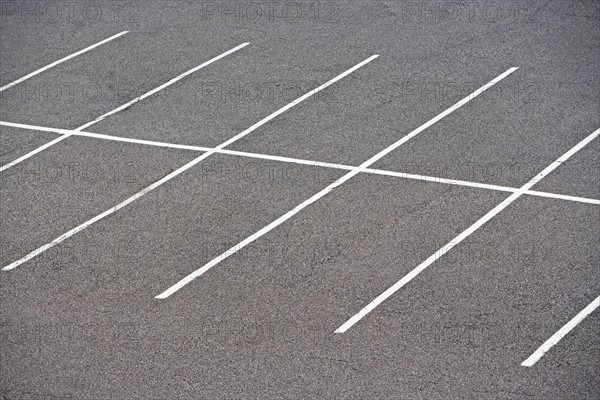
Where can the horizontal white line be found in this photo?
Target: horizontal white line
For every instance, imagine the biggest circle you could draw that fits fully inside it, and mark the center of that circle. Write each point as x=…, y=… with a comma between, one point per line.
x=122, y=107
x=55, y=63
x=199, y=272
x=403, y=175
x=173, y=174
x=480, y=222
x=562, y=332
x=483, y=186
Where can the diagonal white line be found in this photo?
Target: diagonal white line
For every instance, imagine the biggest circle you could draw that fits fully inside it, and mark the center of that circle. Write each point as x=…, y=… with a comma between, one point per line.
x=562, y=332
x=291, y=160
x=480, y=222
x=189, y=278
x=55, y=63
x=122, y=107
x=177, y=171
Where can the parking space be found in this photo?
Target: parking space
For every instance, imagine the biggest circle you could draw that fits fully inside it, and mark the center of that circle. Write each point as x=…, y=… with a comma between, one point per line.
x=18, y=142
x=75, y=180
x=173, y=226
x=503, y=293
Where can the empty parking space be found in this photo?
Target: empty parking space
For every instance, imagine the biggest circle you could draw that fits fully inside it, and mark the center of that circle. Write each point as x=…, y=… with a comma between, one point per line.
x=502, y=293
x=73, y=181
x=18, y=142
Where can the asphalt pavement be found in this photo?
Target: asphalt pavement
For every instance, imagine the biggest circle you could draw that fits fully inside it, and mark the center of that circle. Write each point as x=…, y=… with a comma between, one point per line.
x=237, y=200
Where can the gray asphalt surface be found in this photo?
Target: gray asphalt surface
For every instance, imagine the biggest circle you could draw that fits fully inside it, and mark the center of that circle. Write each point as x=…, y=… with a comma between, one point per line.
x=80, y=320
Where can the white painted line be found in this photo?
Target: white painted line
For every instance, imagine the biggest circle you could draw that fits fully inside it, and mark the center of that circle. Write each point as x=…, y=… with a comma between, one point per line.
x=55, y=63
x=479, y=185
x=189, y=278
x=562, y=332
x=176, y=172
x=122, y=107
x=300, y=161
x=105, y=137
x=491, y=214
x=562, y=197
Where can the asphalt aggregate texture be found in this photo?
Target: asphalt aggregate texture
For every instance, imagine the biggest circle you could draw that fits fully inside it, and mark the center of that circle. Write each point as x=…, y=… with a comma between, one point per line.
x=80, y=320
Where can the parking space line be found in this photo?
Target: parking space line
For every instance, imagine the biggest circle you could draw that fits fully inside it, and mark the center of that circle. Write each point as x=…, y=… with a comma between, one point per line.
x=199, y=272
x=122, y=107
x=403, y=175
x=55, y=63
x=562, y=332
x=480, y=222
x=179, y=170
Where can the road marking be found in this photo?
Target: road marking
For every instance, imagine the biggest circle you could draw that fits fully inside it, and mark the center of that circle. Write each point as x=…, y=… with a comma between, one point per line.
x=189, y=278
x=562, y=332
x=55, y=63
x=178, y=171
x=480, y=222
x=403, y=175
x=122, y=107
x=479, y=185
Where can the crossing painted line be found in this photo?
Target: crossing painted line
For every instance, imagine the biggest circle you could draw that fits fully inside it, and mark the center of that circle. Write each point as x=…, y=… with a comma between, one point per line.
x=122, y=107
x=178, y=171
x=199, y=272
x=466, y=233
x=403, y=175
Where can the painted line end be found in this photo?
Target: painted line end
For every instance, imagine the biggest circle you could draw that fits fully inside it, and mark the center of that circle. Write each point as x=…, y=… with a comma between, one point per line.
x=527, y=364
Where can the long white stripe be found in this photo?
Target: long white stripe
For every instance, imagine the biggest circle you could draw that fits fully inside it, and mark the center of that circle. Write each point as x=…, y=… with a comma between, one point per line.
x=480, y=222
x=562, y=332
x=55, y=63
x=479, y=185
x=300, y=161
x=325, y=191
x=176, y=172
x=122, y=107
